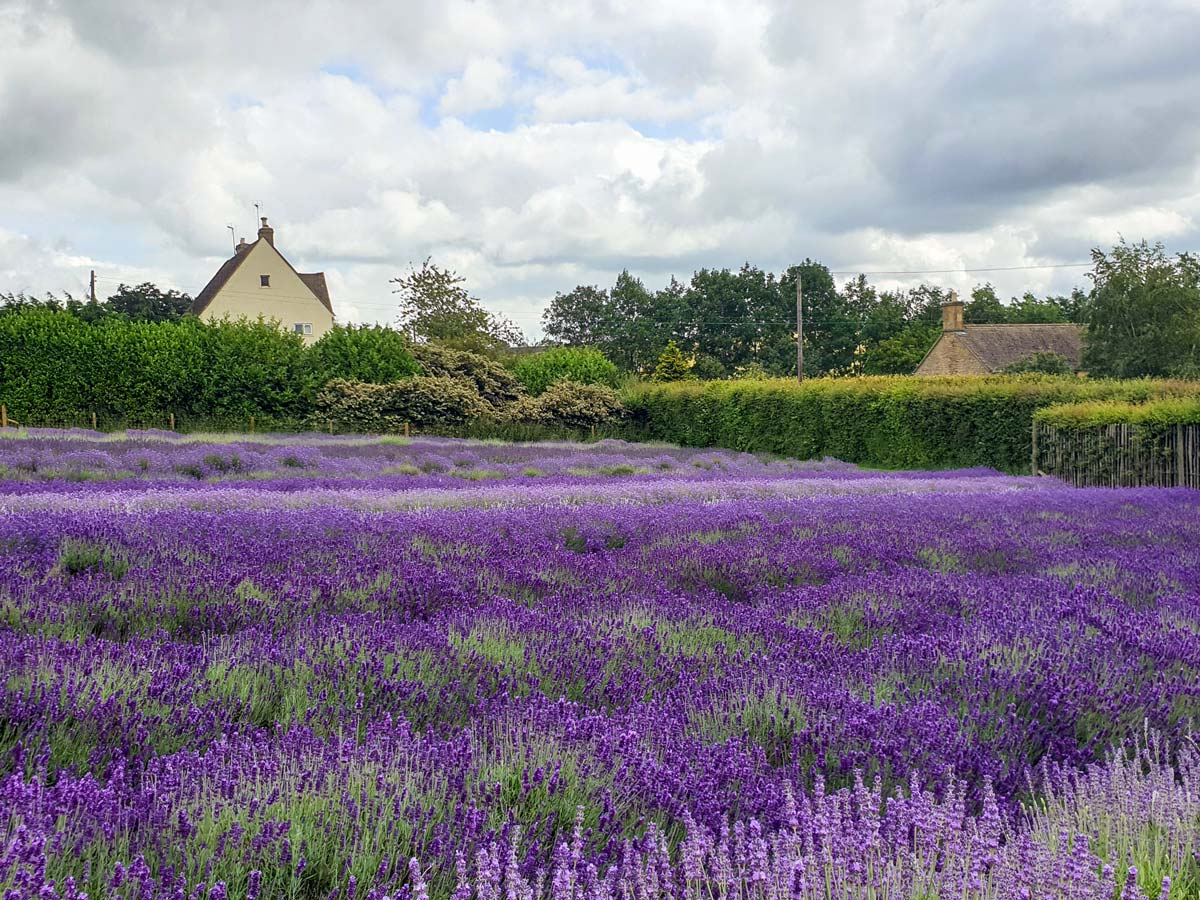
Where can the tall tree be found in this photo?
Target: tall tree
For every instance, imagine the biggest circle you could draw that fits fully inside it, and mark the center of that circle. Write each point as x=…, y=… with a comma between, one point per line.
x=582, y=317
x=637, y=324
x=1144, y=315
x=147, y=302
x=435, y=306
x=830, y=326
x=984, y=307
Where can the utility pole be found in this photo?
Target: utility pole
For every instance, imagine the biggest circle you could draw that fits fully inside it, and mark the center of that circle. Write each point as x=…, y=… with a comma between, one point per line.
x=799, y=330
x=93, y=287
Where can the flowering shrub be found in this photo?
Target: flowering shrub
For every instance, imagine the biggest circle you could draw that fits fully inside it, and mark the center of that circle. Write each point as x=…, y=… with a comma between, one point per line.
x=571, y=405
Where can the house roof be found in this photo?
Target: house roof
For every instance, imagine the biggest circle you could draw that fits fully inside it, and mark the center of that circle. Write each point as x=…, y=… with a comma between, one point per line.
x=314, y=281
x=999, y=346
x=316, y=284
x=205, y=297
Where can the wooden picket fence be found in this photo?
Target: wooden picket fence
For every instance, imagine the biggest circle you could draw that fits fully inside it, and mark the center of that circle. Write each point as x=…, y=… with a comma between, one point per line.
x=1119, y=455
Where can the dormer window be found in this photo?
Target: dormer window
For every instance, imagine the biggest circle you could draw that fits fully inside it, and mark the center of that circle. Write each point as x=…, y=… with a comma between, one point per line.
x=264, y=280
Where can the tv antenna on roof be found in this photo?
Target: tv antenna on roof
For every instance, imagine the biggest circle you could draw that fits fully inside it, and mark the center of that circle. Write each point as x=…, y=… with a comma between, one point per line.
x=257, y=212
x=232, y=235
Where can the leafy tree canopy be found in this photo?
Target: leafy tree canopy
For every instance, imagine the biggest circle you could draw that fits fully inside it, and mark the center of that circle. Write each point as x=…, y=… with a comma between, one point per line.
x=435, y=306
x=1144, y=316
x=147, y=302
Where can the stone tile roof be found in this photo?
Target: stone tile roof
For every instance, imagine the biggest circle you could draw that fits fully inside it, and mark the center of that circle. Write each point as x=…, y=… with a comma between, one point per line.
x=999, y=346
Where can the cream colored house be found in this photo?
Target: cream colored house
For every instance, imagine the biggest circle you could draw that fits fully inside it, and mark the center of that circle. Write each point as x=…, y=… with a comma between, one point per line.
x=258, y=282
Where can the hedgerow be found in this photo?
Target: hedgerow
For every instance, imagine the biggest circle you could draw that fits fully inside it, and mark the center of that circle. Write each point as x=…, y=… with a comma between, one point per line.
x=1169, y=411
x=891, y=422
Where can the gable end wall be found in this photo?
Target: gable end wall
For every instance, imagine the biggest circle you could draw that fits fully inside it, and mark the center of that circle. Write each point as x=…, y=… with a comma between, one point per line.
x=288, y=299
x=951, y=356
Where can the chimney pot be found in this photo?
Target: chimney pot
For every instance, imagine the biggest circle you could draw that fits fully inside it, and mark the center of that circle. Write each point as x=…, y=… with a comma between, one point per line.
x=952, y=314
x=241, y=247
x=267, y=232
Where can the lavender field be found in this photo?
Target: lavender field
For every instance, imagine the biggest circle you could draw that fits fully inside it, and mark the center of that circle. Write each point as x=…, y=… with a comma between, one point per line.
x=329, y=667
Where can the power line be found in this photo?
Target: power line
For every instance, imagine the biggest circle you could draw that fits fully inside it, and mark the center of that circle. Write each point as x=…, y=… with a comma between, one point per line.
x=955, y=271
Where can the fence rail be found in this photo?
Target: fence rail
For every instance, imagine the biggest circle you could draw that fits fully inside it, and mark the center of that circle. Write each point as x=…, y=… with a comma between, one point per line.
x=1119, y=455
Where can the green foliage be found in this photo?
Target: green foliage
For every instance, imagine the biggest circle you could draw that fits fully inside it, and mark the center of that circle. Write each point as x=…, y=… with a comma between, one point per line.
x=424, y=401
x=709, y=368
x=900, y=355
x=1145, y=312
x=369, y=353
x=752, y=372
x=1167, y=411
x=147, y=302
x=435, y=306
x=580, y=364
x=673, y=365
x=1043, y=362
x=495, y=384
x=570, y=404
x=434, y=401
x=892, y=422
x=55, y=367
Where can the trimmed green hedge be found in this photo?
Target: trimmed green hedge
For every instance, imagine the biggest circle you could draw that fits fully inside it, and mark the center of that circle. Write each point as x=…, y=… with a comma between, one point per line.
x=891, y=422
x=1170, y=411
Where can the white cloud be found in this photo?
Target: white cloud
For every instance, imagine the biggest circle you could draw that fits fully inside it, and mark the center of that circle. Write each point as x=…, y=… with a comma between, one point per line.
x=535, y=146
x=484, y=84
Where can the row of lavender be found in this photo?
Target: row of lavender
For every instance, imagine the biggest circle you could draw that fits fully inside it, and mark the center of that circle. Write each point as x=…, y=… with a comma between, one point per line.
x=39, y=456
x=759, y=684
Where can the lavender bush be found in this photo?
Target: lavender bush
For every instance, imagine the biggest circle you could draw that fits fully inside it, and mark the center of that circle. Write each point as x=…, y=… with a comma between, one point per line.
x=365, y=668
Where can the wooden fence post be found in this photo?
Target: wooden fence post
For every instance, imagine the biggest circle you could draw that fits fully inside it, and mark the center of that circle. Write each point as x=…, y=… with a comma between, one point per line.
x=93, y=420
x=1033, y=456
x=252, y=424
x=1181, y=479
x=331, y=426
x=3, y=416
x=172, y=420
x=407, y=430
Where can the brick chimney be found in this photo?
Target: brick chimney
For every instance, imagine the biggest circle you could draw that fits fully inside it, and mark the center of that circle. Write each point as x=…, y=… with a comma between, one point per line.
x=267, y=232
x=952, y=313
x=242, y=246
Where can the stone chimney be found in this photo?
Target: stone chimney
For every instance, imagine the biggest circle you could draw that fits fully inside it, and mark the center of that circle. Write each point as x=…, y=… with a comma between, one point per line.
x=952, y=312
x=267, y=232
x=242, y=246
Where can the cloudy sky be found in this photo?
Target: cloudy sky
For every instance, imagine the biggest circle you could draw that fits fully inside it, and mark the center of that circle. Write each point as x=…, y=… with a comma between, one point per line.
x=533, y=146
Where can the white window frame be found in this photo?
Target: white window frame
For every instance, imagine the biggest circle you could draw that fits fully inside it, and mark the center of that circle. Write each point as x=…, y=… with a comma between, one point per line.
x=302, y=328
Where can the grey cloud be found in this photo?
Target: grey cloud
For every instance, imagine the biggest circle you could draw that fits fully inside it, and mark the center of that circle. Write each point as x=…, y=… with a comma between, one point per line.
x=876, y=132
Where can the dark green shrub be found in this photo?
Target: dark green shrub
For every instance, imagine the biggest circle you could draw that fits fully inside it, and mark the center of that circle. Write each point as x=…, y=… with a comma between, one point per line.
x=370, y=353
x=580, y=364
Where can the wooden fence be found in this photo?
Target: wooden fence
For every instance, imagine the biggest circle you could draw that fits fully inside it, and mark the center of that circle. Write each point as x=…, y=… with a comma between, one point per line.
x=1120, y=455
